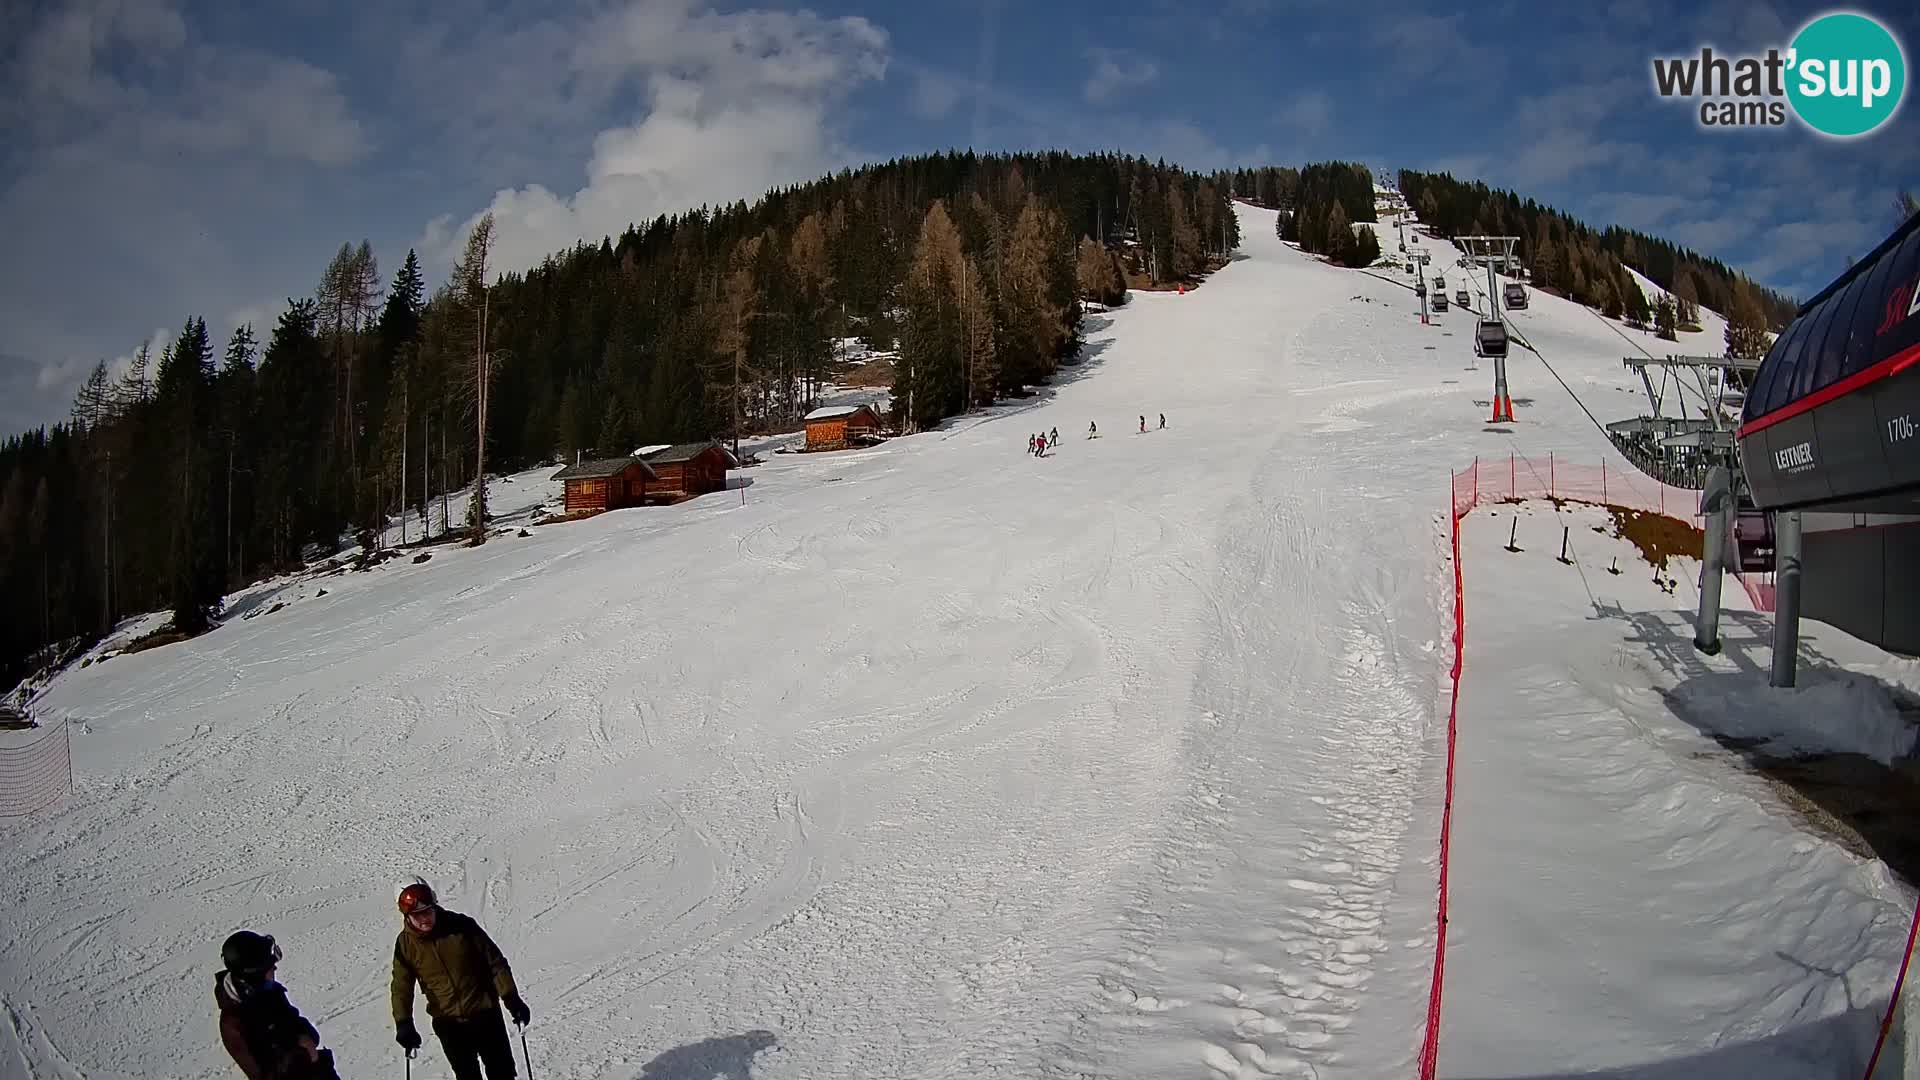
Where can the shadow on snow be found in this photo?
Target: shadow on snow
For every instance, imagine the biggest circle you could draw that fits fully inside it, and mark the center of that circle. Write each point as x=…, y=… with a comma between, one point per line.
x=728, y=1057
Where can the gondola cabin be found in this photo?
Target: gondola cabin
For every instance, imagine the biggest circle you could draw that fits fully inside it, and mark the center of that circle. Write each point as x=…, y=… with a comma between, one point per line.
x=687, y=469
x=605, y=484
x=1490, y=338
x=836, y=427
x=1460, y=297
x=1439, y=301
x=1516, y=296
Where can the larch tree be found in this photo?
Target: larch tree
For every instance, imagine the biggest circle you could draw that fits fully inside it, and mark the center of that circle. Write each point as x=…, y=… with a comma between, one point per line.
x=930, y=379
x=1746, y=334
x=1686, y=300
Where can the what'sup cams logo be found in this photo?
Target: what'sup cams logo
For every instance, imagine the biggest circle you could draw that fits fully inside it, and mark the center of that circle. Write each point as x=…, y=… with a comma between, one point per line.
x=1843, y=75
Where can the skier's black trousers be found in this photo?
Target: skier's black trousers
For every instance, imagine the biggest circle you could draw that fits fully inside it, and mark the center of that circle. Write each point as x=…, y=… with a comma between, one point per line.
x=472, y=1040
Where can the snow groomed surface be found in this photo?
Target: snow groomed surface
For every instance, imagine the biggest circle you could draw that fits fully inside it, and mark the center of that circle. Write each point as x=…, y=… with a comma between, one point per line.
x=934, y=759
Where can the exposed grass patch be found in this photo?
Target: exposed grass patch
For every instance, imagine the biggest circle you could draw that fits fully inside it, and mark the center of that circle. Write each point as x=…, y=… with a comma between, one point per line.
x=877, y=372
x=1658, y=536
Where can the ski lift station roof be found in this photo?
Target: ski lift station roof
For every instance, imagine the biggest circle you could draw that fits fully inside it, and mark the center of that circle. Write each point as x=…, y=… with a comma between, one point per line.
x=1830, y=420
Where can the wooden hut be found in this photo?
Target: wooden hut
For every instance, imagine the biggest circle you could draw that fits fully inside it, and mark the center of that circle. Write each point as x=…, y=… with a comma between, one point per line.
x=688, y=469
x=837, y=426
x=607, y=484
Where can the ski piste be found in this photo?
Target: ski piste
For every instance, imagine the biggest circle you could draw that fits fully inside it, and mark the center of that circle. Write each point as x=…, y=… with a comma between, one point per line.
x=917, y=764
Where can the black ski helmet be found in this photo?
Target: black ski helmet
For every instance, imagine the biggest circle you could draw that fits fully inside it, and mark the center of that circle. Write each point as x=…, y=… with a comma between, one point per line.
x=248, y=953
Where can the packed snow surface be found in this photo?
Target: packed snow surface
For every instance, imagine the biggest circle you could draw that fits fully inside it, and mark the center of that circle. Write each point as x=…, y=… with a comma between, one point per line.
x=1628, y=899
x=934, y=759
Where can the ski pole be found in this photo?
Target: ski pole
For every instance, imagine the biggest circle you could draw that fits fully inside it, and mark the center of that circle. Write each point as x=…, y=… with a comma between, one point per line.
x=409, y=1065
x=524, y=1056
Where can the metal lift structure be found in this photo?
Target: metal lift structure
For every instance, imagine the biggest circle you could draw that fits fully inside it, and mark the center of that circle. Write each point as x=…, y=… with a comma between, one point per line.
x=1490, y=337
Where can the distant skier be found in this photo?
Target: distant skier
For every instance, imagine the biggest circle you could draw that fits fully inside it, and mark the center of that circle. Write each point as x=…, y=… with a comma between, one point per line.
x=1093, y=430
x=1040, y=442
x=1143, y=423
x=265, y=1034
x=1053, y=437
x=1163, y=421
x=464, y=977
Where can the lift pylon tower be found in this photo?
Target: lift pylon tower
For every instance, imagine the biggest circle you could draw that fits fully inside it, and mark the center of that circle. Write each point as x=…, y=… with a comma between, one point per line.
x=1488, y=249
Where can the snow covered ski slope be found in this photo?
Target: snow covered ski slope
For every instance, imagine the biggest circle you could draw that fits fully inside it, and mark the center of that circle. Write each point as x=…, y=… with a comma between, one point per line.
x=929, y=760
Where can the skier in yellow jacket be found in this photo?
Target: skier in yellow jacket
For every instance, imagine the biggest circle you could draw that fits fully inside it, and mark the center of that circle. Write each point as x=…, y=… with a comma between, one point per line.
x=464, y=977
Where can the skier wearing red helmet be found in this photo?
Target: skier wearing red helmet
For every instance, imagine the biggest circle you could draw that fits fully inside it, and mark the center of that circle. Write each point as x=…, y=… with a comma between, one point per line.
x=463, y=976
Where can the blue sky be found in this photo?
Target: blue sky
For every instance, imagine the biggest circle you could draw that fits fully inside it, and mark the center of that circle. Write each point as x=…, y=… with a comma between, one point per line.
x=168, y=158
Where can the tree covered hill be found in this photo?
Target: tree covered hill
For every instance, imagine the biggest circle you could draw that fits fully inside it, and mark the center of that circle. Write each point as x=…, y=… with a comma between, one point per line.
x=203, y=466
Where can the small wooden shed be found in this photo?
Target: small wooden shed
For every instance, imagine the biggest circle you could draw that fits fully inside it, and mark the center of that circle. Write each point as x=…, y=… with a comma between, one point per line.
x=688, y=469
x=836, y=426
x=607, y=484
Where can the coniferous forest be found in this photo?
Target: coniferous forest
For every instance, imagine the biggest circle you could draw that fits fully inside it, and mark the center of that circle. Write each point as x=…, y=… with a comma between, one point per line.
x=207, y=464
x=1586, y=264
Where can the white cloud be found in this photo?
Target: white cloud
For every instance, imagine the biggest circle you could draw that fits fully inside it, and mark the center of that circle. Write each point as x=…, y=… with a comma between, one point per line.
x=934, y=94
x=1116, y=71
x=1637, y=210
x=734, y=104
x=167, y=92
x=1435, y=46
x=165, y=170
x=1309, y=113
x=1190, y=147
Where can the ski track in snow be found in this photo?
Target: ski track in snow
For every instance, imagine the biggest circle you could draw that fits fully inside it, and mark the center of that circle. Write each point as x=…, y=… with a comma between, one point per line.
x=931, y=759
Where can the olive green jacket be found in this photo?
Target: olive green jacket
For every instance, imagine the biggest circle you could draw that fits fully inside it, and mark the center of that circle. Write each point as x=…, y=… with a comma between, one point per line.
x=459, y=969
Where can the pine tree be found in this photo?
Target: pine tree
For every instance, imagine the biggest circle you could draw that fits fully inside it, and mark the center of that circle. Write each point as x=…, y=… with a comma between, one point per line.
x=1365, y=250
x=400, y=318
x=1664, y=318
x=1185, y=236
x=470, y=278
x=1633, y=300
x=38, y=516
x=1338, y=244
x=183, y=389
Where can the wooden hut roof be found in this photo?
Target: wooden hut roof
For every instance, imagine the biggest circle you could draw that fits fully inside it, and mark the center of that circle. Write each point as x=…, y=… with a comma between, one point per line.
x=835, y=412
x=601, y=468
x=680, y=452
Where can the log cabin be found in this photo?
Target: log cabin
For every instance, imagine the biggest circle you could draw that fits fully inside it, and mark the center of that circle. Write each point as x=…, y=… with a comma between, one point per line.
x=834, y=427
x=688, y=469
x=607, y=484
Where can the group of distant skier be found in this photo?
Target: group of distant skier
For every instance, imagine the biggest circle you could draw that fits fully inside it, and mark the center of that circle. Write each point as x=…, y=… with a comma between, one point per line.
x=1037, y=444
x=460, y=971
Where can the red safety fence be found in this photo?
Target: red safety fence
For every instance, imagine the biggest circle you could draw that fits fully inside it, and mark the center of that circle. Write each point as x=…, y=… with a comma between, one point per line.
x=34, y=775
x=1517, y=477
x=1430, y=1048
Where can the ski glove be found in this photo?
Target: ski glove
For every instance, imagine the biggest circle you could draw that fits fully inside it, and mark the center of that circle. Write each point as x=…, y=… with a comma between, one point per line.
x=519, y=1011
x=407, y=1037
